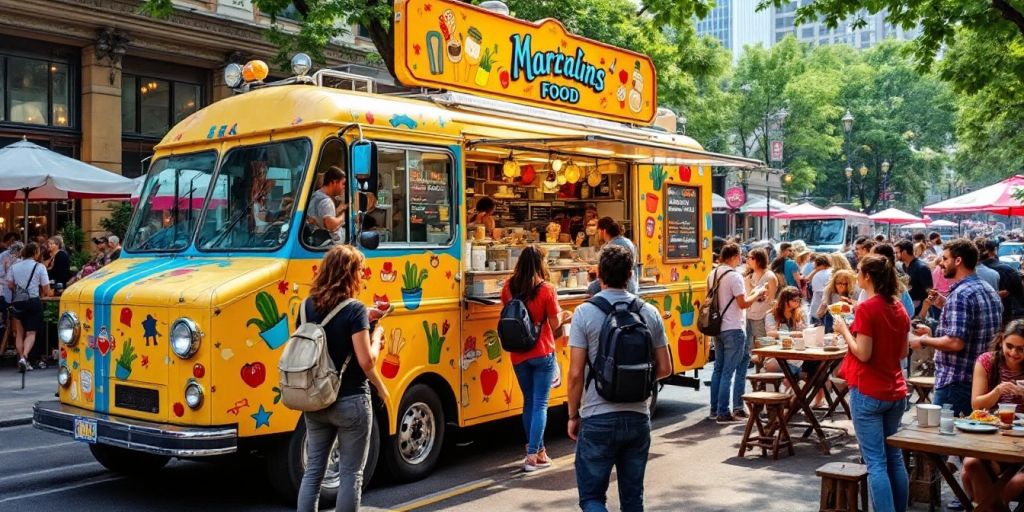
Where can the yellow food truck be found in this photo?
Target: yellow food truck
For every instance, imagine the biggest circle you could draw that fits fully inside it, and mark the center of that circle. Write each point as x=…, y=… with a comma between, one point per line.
x=172, y=350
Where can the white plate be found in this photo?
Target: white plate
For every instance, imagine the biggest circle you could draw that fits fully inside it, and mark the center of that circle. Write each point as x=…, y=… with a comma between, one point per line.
x=975, y=427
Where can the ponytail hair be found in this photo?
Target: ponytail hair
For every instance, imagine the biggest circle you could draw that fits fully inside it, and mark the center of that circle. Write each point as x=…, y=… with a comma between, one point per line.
x=1014, y=328
x=882, y=274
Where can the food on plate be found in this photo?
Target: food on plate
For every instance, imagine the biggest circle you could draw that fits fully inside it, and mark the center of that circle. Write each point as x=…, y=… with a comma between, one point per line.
x=982, y=416
x=840, y=308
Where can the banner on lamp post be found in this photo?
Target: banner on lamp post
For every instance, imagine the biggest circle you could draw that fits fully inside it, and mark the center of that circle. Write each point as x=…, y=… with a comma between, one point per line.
x=776, y=151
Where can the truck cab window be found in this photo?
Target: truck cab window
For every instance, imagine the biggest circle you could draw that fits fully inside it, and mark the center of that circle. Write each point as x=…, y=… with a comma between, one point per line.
x=326, y=221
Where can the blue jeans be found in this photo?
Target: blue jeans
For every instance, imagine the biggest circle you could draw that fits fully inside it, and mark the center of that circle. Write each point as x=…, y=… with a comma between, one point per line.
x=874, y=421
x=347, y=420
x=620, y=439
x=958, y=394
x=729, y=346
x=534, y=377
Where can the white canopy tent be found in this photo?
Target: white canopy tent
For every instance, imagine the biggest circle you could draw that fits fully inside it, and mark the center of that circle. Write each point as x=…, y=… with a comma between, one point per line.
x=38, y=174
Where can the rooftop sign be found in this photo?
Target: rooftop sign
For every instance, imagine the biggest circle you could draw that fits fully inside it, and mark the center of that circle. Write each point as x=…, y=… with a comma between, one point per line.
x=456, y=46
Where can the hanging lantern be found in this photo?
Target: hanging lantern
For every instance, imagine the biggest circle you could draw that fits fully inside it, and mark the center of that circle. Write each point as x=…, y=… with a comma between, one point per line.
x=510, y=169
x=556, y=165
x=551, y=183
x=528, y=174
x=573, y=173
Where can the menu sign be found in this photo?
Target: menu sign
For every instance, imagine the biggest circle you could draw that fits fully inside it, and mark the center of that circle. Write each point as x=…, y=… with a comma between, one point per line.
x=428, y=197
x=454, y=45
x=682, y=222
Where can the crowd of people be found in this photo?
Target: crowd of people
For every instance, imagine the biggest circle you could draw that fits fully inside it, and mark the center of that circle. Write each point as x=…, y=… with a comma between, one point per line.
x=34, y=270
x=947, y=305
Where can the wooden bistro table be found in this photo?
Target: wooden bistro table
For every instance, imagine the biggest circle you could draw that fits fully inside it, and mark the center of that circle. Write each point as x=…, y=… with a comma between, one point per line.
x=802, y=395
x=1006, y=450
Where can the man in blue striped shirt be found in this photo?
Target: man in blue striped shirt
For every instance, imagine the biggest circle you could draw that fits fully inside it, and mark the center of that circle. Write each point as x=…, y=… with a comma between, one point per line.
x=970, y=319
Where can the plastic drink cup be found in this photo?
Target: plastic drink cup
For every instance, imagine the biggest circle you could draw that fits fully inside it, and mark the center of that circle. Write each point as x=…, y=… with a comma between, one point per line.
x=1007, y=413
x=946, y=419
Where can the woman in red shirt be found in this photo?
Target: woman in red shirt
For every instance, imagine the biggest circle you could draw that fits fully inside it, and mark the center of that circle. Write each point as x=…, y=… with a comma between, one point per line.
x=878, y=392
x=535, y=368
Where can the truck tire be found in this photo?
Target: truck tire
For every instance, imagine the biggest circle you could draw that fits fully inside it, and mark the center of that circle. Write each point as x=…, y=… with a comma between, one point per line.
x=413, y=451
x=128, y=462
x=286, y=463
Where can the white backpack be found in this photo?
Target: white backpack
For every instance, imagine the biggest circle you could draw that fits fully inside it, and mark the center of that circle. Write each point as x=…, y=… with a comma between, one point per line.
x=308, y=380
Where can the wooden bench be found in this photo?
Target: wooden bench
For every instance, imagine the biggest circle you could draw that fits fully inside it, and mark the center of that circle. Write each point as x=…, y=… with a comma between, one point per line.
x=844, y=487
x=923, y=386
x=760, y=381
x=771, y=435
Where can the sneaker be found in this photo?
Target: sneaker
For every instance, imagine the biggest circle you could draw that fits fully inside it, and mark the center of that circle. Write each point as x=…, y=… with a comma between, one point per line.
x=712, y=417
x=955, y=505
x=530, y=464
x=543, y=461
x=725, y=419
x=739, y=413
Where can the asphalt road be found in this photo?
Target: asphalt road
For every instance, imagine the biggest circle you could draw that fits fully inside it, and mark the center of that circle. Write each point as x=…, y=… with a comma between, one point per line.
x=693, y=466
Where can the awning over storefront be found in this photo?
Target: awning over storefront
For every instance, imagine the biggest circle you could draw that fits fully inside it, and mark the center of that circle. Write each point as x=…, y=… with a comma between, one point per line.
x=624, y=149
x=718, y=202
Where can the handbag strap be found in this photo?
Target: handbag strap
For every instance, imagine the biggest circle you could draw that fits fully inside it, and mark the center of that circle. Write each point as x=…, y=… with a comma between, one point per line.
x=29, y=282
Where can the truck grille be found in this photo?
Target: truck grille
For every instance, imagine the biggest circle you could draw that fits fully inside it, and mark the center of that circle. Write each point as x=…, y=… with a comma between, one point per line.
x=137, y=399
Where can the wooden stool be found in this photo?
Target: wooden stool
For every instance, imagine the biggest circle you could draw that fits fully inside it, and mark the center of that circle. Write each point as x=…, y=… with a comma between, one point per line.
x=774, y=434
x=923, y=386
x=925, y=480
x=840, y=388
x=841, y=483
x=760, y=381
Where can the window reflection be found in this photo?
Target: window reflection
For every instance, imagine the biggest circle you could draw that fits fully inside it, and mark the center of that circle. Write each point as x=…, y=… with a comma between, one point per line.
x=27, y=84
x=155, y=101
x=186, y=100
x=60, y=80
x=129, y=104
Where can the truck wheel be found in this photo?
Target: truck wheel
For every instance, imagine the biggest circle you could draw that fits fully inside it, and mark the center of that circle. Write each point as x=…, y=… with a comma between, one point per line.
x=413, y=451
x=126, y=461
x=286, y=463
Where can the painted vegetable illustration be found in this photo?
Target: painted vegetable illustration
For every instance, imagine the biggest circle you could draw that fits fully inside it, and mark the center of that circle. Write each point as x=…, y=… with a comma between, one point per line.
x=492, y=344
x=392, y=362
x=412, y=285
x=125, y=360
x=488, y=380
x=658, y=175
x=273, y=325
x=687, y=347
x=685, y=307
x=483, y=72
x=434, y=342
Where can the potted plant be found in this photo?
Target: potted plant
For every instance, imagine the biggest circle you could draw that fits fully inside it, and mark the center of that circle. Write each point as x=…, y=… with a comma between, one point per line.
x=658, y=175
x=483, y=72
x=685, y=307
x=392, y=361
x=273, y=325
x=125, y=360
x=412, y=285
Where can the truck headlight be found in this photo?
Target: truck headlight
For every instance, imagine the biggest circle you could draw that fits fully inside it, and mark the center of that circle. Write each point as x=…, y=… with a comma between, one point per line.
x=185, y=337
x=64, y=376
x=68, y=328
x=193, y=394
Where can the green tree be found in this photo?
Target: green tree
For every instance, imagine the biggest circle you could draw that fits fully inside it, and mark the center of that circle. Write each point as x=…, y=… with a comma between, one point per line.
x=120, y=216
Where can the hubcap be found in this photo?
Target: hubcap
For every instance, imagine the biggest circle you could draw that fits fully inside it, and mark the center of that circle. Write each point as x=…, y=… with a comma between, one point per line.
x=332, y=478
x=416, y=434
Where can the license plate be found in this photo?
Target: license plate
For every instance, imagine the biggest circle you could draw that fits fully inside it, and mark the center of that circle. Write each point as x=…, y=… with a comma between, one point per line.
x=85, y=430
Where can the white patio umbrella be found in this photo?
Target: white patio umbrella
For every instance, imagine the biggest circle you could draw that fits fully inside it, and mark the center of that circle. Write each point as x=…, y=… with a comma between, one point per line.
x=39, y=174
x=718, y=202
x=758, y=206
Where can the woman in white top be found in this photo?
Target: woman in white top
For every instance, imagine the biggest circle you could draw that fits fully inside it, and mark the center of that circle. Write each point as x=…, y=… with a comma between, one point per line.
x=28, y=282
x=757, y=275
x=818, y=279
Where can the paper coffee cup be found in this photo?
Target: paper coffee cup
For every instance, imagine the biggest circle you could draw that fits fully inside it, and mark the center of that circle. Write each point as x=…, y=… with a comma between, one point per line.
x=928, y=415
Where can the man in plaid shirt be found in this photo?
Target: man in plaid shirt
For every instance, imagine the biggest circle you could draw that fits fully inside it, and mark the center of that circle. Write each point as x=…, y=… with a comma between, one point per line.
x=970, y=319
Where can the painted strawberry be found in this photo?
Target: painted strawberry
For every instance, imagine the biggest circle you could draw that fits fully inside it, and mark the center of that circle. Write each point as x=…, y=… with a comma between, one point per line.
x=367, y=273
x=504, y=78
x=388, y=273
x=126, y=317
x=254, y=374
x=369, y=117
x=381, y=302
x=488, y=380
x=623, y=76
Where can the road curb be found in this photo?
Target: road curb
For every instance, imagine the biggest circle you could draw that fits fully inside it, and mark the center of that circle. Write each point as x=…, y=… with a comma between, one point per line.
x=16, y=422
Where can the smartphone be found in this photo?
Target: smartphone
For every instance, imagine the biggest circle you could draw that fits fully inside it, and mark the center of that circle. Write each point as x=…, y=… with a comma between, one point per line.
x=376, y=314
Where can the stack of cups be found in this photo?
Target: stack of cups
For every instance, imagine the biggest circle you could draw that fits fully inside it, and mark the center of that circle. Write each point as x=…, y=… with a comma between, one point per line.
x=946, y=419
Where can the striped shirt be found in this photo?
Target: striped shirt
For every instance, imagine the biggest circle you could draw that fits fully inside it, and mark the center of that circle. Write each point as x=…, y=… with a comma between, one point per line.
x=973, y=313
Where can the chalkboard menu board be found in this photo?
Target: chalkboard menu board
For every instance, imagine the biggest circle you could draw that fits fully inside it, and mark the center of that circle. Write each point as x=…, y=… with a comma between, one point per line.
x=428, y=198
x=682, y=222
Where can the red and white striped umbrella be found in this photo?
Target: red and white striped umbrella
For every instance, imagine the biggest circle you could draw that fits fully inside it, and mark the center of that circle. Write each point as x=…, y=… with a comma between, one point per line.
x=996, y=198
x=894, y=216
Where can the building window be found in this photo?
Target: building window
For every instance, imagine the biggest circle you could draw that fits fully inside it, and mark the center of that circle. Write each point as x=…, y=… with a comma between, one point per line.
x=150, y=106
x=35, y=91
x=361, y=31
x=807, y=32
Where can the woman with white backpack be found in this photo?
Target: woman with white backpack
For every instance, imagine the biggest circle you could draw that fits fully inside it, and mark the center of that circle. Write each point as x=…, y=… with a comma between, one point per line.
x=349, y=418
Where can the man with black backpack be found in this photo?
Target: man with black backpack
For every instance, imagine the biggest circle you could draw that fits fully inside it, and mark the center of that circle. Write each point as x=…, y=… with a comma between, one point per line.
x=618, y=352
x=722, y=317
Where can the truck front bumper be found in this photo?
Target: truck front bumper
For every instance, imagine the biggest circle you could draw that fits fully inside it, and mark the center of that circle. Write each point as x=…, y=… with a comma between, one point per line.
x=138, y=435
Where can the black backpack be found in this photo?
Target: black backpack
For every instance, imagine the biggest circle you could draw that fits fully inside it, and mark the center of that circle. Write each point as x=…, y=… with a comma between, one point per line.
x=516, y=329
x=624, y=369
x=709, y=322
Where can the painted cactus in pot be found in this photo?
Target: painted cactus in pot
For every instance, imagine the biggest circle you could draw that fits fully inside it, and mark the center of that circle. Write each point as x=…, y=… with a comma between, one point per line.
x=273, y=324
x=412, y=285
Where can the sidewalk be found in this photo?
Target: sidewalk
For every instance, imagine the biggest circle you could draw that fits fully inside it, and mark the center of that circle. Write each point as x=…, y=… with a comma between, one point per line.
x=16, y=403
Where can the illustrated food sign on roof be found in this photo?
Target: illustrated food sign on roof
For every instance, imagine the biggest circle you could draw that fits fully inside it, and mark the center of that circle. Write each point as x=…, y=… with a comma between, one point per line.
x=457, y=46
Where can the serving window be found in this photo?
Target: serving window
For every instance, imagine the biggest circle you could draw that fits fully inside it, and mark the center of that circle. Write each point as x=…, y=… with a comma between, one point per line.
x=413, y=201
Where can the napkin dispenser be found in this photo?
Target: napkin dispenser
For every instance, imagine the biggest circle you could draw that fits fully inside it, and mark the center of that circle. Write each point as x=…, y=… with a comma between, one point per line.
x=814, y=336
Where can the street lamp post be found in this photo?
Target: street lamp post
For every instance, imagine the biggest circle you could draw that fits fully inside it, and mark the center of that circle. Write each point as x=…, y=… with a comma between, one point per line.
x=847, y=128
x=885, y=182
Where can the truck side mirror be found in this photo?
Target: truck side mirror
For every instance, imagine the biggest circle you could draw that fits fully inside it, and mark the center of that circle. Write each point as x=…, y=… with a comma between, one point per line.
x=364, y=165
